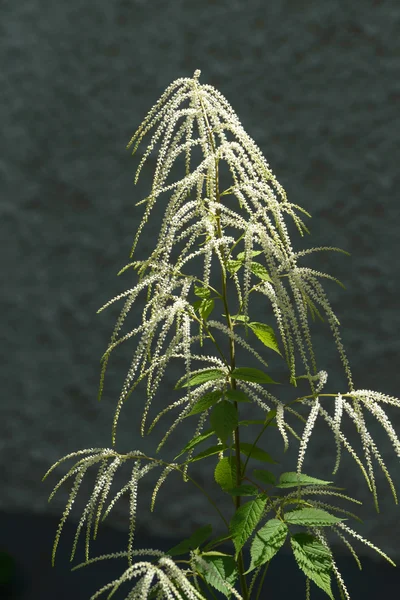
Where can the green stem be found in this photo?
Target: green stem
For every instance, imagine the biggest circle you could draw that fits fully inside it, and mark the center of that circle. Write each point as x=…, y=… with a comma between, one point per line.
x=262, y=580
x=255, y=442
x=240, y=562
x=203, y=323
x=319, y=395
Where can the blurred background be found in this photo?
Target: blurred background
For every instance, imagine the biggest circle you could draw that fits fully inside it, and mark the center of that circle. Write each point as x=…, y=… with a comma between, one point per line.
x=316, y=85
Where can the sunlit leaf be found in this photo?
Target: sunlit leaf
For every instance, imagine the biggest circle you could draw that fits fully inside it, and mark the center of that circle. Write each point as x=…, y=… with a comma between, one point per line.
x=314, y=559
x=293, y=479
x=225, y=472
x=223, y=569
x=260, y=271
x=207, y=375
x=209, y=452
x=245, y=520
x=266, y=334
x=311, y=517
x=250, y=374
x=205, y=402
x=196, y=440
x=267, y=542
x=206, y=307
x=202, y=292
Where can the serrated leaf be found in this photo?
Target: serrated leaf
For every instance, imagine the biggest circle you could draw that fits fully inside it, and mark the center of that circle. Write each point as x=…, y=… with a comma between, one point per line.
x=264, y=476
x=202, y=292
x=233, y=265
x=241, y=255
x=313, y=559
x=196, y=440
x=260, y=271
x=256, y=453
x=206, y=307
x=209, y=452
x=207, y=375
x=293, y=479
x=222, y=569
x=225, y=472
x=237, y=396
x=196, y=304
x=267, y=542
x=266, y=334
x=244, y=522
x=223, y=419
x=205, y=402
x=311, y=517
x=243, y=490
x=250, y=374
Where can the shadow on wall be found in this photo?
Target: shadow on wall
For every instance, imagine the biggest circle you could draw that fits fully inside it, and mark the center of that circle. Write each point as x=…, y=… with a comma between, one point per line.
x=26, y=573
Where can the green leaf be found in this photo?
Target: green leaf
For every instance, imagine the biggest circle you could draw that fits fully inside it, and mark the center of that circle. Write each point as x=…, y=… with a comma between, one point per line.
x=266, y=334
x=264, y=476
x=233, y=265
x=223, y=419
x=214, y=553
x=206, y=307
x=196, y=440
x=223, y=569
x=243, y=490
x=197, y=538
x=201, y=291
x=267, y=542
x=237, y=396
x=260, y=271
x=206, y=375
x=250, y=374
x=293, y=479
x=256, y=453
x=270, y=417
x=196, y=304
x=240, y=318
x=181, y=548
x=217, y=541
x=254, y=422
x=200, y=535
x=205, y=402
x=225, y=473
x=244, y=522
x=311, y=517
x=209, y=452
x=241, y=255
x=313, y=559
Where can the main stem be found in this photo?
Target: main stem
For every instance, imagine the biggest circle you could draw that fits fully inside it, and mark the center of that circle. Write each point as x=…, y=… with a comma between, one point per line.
x=240, y=563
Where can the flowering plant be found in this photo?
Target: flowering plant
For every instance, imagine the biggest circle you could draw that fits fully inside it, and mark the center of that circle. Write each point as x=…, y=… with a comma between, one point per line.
x=246, y=238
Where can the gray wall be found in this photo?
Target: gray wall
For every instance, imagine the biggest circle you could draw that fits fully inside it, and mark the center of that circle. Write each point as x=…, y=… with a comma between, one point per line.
x=316, y=84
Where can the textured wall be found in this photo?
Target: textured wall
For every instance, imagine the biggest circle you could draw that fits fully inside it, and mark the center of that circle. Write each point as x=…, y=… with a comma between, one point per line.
x=316, y=84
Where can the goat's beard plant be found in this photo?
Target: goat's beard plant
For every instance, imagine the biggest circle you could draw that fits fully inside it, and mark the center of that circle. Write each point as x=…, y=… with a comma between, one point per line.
x=213, y=394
